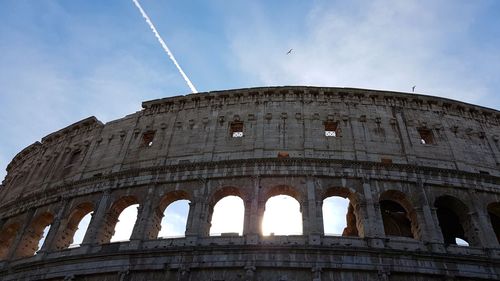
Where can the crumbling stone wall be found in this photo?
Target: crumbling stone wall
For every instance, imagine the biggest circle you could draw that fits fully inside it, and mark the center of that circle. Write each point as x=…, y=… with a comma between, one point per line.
x=409, y=165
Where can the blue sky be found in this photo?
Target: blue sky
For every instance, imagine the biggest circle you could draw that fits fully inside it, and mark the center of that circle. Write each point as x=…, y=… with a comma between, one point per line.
x=62, y=61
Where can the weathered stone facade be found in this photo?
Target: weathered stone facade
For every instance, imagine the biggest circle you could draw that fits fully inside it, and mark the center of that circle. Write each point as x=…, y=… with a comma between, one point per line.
x=419, y=171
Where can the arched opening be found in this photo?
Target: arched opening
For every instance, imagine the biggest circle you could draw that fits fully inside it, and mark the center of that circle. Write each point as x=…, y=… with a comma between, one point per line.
x=171, y=215
x=45, y=232
x=228, y=216
x=494, y=214
x=173, y=223
x=337, y=214
x=340, y=215
x=75, y=228
x=395, y=218
x=398, y=215
x=282, y=216
x=452, y=216
x=34, y=238
x=7, y=237
x=125, y=224
x=83, y=225
x=118, y=225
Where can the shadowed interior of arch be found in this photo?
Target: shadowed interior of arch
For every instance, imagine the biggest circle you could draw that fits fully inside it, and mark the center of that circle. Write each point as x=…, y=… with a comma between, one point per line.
x=34, y=238
x=173, y=223
x=395, y=219
x=335, y=212
x=494, y=214
x=451, y=215
x=282, y=216
x=7, y=236
x=228, y=216
x=125, y=224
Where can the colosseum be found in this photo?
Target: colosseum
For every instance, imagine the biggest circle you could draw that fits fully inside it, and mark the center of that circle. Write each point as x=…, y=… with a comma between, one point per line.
x=420, y=174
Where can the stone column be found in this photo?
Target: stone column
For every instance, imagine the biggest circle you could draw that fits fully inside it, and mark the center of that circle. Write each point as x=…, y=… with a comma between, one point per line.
x=494, y=148
x=21, y=233
x=406, y=143
x=372, y=218
x=373, y=223
x=197, y=224
x=145, y=216
x=254, y=214
x=314, y=205
x=430, y=230
x=480, y=223
x=54, y=228
x=304, y=209
x=246, y=216
x=97, y=220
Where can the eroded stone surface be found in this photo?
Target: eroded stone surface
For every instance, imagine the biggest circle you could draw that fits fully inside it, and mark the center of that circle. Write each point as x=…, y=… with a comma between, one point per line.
x=404, y=162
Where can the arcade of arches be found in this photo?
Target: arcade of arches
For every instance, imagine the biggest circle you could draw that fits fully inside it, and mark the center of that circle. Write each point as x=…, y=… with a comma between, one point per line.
x=230, y=212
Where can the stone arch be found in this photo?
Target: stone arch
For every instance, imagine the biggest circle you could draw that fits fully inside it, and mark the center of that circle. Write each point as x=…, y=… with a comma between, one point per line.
x=287, y=190
x=353, y=222
x=7, y=237
x=220, y=194
x=398, y=215
x=223, y=192
x=283, y=190
x=70, y=226
x=32, y=236
x=111, y=217
x=455, y=220
x=165, y=201
x=494, y=215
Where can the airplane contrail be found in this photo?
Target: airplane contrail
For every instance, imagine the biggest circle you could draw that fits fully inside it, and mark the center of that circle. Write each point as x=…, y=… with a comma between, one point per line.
x=164, y=46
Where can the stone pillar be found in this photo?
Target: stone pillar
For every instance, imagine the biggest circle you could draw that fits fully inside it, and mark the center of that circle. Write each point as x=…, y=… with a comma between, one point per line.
x=304, y=209
x=430, y=230
x=254, y=214
x=315, y=214
x=480, y=223
x=120, y=155
x=21, y=233
x=489, y=232
x=54, y=228
x=492, y=143
x=97, y=220
x=246, y=216
x=406, y=143
x=145, y=216
x=197, y=224
x=373, y=223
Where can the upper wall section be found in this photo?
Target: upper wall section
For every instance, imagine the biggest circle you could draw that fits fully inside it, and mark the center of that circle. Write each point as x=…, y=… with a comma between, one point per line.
x=363, y=125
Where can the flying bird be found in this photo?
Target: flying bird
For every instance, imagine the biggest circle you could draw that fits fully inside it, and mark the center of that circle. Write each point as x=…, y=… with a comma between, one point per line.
x=289, y=51
x=413, y=89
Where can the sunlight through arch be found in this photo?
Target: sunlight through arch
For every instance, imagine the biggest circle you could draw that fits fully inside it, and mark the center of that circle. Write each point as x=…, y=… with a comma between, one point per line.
x=228, y=216
x=335, y=210
x=42, y=239
x=173, y=223
x=83, y=225
x=125, y=225
x=282, y=216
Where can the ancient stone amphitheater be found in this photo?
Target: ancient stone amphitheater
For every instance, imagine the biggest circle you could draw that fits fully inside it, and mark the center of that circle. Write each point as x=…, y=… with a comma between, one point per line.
x=420, y=172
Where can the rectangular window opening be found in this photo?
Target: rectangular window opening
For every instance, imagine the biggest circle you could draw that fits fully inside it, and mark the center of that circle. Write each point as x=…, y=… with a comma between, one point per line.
x=147, y=138
x=236, y=129
x=426, y=136
x=330, y=129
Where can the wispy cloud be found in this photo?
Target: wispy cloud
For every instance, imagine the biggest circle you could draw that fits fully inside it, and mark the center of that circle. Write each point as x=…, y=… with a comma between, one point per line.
x=372, y=44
